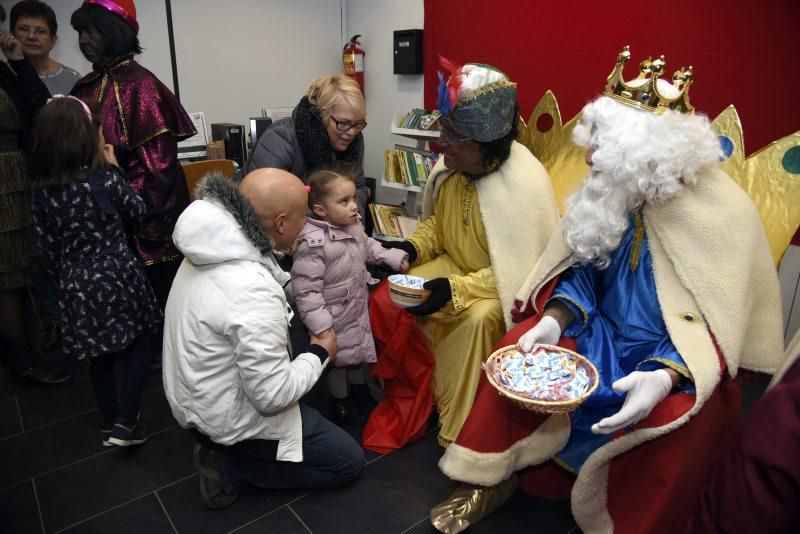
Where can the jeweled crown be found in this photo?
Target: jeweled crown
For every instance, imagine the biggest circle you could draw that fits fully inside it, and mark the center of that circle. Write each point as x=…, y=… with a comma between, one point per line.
x=645, y=95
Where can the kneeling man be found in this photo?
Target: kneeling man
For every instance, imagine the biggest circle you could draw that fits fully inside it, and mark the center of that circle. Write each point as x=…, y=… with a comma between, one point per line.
x=227, y=370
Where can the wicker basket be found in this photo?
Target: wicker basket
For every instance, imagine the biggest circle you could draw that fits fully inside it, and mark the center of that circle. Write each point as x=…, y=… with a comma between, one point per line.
x=541, y=406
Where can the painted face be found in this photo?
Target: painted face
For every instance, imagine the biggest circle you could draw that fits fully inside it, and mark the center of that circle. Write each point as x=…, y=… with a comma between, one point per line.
x=343, y=124
x=34, y=36
x=93, y=46
x=460, y=153
x=339, y=206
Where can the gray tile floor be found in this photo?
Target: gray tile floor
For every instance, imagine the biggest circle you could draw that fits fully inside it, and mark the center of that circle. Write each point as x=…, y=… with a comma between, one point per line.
x=55, y=476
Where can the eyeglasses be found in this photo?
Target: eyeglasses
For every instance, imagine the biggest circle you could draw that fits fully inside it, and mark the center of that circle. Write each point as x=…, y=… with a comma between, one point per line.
x=343, y=126
x=452, y=137
x=39, y=33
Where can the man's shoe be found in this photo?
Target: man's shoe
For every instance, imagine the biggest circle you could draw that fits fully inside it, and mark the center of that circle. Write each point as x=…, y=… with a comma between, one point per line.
x=43, y=376
x=211, y=491
x=125, y=436
x=469, y=504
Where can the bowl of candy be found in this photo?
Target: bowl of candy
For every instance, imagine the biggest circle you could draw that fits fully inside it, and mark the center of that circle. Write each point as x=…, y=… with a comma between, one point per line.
x=407, y=291
x=549, y=379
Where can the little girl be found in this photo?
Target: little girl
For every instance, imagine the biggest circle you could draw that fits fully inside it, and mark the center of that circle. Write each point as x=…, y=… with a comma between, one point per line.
x=108, y=307
x=329, y=285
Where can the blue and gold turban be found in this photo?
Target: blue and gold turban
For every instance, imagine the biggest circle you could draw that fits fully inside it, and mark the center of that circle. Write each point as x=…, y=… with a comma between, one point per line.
x=477, y=100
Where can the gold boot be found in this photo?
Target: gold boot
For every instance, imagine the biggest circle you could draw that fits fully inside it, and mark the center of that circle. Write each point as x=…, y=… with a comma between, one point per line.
x=469, y=504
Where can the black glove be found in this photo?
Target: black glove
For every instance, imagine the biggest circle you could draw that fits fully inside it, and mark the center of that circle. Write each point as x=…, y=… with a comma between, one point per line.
x=440, y=295
x=405, y=246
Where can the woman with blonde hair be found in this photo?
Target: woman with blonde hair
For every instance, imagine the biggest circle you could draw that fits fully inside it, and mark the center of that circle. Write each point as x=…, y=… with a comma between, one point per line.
x=324, y=131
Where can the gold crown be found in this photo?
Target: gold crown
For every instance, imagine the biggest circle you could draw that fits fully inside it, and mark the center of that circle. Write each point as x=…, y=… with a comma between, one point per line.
x=645, y=95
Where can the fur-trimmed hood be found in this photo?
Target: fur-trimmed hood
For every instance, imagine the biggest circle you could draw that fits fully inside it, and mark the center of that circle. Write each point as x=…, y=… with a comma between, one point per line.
x=221, y=226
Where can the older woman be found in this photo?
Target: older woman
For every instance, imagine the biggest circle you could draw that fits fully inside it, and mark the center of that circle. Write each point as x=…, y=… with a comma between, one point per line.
x=34, y=24
x=323, y=131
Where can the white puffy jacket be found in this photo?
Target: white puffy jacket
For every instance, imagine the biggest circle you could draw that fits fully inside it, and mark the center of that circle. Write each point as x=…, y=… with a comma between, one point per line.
x=226, y=368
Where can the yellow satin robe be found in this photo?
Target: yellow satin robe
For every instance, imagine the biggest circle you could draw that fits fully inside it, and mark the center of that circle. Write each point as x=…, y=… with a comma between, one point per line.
x=452, y=243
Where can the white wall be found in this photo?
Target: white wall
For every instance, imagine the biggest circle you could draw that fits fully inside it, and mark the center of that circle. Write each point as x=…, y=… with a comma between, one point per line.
x=234, y=57
x=385, y=92
x=152, y=35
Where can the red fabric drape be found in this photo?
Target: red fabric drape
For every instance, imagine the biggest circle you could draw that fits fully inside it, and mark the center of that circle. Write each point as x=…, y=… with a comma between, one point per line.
x=743, y=52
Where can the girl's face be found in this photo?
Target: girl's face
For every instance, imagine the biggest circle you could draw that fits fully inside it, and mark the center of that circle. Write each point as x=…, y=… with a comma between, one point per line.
x=339, y=206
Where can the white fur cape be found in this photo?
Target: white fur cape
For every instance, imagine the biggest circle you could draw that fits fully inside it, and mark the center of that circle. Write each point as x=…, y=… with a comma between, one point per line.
x=711, y=262
x=518, y=210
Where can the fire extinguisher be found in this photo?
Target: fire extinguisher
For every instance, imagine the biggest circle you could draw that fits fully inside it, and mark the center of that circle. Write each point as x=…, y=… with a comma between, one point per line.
x=353, y=59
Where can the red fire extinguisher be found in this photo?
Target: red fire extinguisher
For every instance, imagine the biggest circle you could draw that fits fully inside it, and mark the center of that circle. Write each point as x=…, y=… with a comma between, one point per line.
x=353, y=59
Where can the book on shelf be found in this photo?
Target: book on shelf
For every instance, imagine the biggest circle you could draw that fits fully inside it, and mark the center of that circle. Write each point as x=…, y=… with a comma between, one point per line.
x=419, y=119
x=392, y=221
x=407, y=165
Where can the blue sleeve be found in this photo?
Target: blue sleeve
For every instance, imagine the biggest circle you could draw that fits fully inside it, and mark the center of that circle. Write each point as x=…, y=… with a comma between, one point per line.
x=576, y=290
x=666, y=356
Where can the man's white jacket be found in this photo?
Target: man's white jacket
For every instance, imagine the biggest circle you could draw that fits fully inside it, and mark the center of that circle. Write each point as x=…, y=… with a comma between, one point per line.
x=227, y=369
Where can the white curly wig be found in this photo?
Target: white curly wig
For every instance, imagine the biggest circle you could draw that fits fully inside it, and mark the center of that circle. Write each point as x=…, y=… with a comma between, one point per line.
x=639, y=157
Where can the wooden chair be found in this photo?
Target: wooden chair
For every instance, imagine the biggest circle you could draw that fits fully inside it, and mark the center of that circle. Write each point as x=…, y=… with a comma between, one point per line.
x=196, y=170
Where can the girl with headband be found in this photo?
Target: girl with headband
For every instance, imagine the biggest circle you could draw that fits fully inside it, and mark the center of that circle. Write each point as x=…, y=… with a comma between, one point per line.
x=81, y=206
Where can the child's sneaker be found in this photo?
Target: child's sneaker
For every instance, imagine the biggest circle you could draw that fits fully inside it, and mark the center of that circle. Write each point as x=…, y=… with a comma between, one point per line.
x=364, y=401
x=344, y=412
x=125, y=436
x=105, y=431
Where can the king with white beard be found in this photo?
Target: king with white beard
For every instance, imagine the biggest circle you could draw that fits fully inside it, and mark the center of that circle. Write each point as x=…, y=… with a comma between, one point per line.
x=661, y=275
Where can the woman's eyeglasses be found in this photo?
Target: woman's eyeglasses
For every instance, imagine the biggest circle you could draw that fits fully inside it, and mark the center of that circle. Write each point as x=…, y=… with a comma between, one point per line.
x=39, y=33
x=344, y=126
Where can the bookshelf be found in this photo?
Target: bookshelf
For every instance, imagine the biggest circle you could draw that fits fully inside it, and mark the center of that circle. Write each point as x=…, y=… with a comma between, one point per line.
x=413, y=192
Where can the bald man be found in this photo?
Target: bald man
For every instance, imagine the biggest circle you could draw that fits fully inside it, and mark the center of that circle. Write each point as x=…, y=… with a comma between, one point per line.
x=228, y=375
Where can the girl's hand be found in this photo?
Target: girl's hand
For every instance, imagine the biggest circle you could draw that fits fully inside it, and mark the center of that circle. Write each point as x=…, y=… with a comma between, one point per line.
x=108, y=152
x=404, y=266
x=10, y=46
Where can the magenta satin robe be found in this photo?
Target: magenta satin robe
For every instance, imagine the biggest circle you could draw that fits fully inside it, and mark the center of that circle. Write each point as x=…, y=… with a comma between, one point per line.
x=144, y=121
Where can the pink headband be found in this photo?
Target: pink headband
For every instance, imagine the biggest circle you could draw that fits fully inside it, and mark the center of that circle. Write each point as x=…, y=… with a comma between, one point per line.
x=78, y=100
x=308, y=189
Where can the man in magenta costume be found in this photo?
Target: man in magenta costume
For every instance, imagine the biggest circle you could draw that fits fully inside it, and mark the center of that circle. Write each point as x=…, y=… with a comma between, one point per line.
x=144, y=121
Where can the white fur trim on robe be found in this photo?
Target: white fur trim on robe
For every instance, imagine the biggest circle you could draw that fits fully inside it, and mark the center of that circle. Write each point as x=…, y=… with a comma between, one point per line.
x=518, y=210
x=710, y=259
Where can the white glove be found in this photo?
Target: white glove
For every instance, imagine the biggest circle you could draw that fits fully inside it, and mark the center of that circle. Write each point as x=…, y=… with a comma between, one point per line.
x=645, y=390
x=546, y=331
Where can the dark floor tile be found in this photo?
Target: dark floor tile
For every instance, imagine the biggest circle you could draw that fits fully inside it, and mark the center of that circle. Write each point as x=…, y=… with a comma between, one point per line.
x=92, y=486
x=189, y=514
x=59, y=444
x=522, y=510
x=11, y=386
x=141, y=515
x=9, y=418
x=18, y=511
x=281, y=521
x=392, y=494
x=49, y=405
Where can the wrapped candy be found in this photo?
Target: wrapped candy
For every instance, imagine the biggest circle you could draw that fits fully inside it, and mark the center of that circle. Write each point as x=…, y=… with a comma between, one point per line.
x=543, y=375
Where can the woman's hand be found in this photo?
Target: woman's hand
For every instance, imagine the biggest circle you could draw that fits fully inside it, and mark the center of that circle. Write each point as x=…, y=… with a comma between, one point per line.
x=404, y=266
x=108, y=153
x=10, y=46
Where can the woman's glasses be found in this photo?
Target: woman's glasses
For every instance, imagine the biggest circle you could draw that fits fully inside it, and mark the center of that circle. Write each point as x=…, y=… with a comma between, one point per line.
x=39, y=33
x=344, y=126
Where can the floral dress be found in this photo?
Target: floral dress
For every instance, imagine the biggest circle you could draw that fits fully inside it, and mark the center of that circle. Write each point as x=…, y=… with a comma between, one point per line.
x=104, y=295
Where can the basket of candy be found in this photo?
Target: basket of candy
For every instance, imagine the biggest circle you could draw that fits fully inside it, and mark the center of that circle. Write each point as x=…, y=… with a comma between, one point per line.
x=549, y=379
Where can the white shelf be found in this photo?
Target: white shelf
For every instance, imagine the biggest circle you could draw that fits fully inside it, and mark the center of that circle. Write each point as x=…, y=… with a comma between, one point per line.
x=404, y=187
x=416, y=134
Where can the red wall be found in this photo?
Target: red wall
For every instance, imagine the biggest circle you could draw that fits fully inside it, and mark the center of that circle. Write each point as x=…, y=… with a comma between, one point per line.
x=744, y=52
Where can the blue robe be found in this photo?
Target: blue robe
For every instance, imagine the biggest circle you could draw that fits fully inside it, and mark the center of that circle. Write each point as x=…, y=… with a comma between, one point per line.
x=620, y=328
